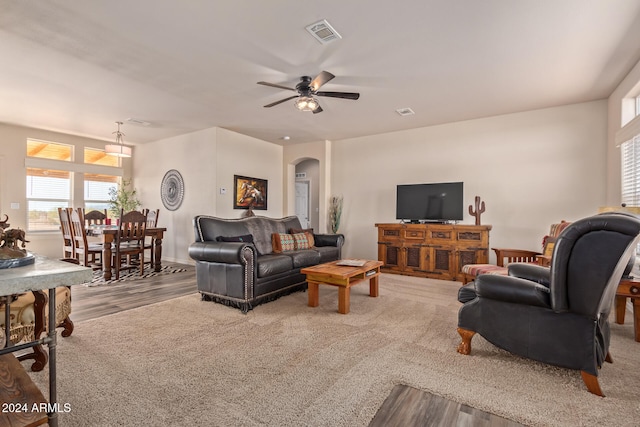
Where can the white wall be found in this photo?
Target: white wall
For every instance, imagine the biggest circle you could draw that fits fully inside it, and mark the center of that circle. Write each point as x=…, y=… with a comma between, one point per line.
x=207, y=161
x=531, y=169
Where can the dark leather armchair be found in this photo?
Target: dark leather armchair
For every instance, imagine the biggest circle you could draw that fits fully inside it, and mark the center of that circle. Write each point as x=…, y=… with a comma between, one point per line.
x=557, y=315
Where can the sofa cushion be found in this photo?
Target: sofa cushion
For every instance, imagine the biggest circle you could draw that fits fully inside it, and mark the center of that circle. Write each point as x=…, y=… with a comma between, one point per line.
x=271, y=264
x=263, y=228
x=304, y=258
x=327, y=253
x=301, y=241
x=282, y=242
x=307, y=231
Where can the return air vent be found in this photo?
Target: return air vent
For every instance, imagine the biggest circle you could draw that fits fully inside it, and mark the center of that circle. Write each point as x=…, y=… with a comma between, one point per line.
x=323, y=32
x=405, y=111
x=138, y=122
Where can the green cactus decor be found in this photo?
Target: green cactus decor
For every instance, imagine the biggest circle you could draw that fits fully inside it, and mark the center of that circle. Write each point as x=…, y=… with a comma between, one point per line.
x=335, y=212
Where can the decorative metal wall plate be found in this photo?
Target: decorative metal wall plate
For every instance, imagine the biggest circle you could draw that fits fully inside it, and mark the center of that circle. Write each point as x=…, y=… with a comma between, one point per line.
x=172, y=190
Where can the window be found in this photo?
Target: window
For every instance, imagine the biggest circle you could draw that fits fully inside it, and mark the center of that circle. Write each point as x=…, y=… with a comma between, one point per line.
x=49, y=150
x=638, y=105
x=47, y=190
x=55, y=178
x=96, y=190
x=630, y=151
x=94, y=156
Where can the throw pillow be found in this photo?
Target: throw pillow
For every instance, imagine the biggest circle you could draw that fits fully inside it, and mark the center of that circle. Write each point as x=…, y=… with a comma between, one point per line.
x=282, y=242
x=301, y=241
x=246, y=238
x=308, y=231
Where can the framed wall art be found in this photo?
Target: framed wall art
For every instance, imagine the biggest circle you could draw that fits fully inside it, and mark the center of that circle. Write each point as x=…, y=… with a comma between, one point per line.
x=249, y=193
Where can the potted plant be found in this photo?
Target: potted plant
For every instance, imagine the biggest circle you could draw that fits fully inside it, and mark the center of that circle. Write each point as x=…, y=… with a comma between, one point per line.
x=122, y=198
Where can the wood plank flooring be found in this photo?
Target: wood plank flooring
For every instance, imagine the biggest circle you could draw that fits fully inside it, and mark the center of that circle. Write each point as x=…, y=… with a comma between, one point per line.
x=92, y=302
x=407, y=407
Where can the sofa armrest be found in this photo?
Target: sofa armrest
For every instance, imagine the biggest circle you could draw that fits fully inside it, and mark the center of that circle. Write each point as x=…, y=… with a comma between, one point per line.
x=329, y=240
x=514, y=255
x=222, y=252
x=535, y=273
x=512, y=289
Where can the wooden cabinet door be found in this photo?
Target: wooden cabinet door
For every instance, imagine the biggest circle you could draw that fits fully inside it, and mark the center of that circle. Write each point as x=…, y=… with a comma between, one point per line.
x=415, y=258
x=442, y=262
x=391, y=256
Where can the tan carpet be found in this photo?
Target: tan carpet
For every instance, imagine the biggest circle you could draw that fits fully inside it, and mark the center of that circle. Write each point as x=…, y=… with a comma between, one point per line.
x=185, y=362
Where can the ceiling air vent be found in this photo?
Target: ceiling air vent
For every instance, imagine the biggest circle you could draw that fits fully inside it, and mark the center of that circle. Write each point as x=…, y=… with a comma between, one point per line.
x=138, y=122
x=405, y=111
x=323, y=32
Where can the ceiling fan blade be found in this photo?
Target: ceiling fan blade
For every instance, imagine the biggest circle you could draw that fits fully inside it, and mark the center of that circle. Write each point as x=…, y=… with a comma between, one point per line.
x=275, y=85
x=318, y=110
x=343, y=95
x=280, y=102
x=320, y=79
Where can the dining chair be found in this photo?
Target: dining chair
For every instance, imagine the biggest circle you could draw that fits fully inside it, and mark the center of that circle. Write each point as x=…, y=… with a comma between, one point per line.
x=67, y=235
x=152, y=222
x=88, y=254
x=94, y=217
x=129, y=243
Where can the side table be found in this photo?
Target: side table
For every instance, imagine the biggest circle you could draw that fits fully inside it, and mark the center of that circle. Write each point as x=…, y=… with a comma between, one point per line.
x=629, y=288
x=44, y=274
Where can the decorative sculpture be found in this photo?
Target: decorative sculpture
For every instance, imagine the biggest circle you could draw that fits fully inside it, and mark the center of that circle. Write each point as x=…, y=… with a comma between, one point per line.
x=479, y=210
x=9, y=248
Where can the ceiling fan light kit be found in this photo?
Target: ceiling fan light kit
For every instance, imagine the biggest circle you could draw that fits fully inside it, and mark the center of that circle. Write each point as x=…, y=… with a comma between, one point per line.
x=307, y=90
x=306, y=103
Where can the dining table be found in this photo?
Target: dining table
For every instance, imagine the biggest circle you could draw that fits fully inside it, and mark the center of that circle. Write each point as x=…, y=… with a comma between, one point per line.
x=108, y=233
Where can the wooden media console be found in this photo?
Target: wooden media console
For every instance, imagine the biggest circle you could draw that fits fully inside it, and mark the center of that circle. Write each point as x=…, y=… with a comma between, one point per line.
x=437, y=251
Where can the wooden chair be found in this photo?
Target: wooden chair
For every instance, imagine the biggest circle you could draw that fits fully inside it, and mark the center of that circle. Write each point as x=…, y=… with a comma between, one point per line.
x=94, y=217
x=87, y=254
x=67, y=235
x=152, y=222
x=129, y=244
x=504, y=257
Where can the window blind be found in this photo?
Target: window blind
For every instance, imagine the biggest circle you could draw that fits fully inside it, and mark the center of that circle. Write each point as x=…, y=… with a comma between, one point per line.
x=630, y=151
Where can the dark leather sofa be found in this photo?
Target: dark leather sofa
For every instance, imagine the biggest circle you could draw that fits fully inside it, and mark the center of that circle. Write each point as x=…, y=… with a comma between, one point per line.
x=246, y=272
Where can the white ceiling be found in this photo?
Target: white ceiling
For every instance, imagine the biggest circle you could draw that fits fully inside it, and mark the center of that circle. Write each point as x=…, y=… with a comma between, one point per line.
x=77, y=66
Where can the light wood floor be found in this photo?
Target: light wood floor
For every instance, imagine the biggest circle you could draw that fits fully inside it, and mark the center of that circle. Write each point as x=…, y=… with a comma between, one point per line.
x=92, y=302
x=405, y=406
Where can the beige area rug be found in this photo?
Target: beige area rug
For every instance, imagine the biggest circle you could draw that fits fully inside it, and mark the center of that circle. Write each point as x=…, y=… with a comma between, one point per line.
x=185, y=362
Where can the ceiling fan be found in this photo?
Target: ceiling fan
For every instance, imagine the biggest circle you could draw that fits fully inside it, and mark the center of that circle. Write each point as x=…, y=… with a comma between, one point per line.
x=307, y=91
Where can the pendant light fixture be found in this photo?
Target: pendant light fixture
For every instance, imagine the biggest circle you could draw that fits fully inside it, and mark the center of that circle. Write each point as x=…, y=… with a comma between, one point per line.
x=118, y=149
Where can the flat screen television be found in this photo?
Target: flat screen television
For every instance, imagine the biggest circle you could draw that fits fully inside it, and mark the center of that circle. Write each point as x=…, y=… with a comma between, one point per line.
x=437, y=202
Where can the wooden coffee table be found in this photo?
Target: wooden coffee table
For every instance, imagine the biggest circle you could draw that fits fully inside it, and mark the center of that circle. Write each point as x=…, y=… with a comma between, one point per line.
x=342, y=276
